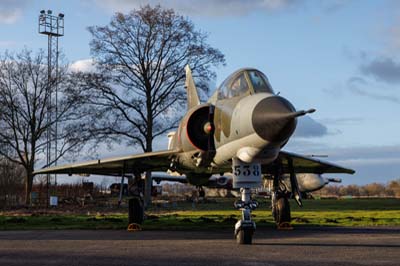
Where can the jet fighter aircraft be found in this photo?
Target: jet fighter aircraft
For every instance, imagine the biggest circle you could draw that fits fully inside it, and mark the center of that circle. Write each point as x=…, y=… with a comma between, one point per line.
x=241, y=129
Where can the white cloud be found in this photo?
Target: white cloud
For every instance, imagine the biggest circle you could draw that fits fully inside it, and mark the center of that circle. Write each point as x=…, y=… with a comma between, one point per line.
x=341, y=121
x=360, y=86
x=216, y=8
x=380, y=162
x=11, y=11
x=10, y=17
x=393, y=38
x=367, y=152
x=384, y=69
x=308, y=128
x=205, y=7
x=84, y=65
x=333, y=5
x=371, y=163
x=7, y=44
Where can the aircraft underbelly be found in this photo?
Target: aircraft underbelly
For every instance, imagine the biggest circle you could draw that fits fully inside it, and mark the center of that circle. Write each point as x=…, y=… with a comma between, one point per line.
x=249, y=149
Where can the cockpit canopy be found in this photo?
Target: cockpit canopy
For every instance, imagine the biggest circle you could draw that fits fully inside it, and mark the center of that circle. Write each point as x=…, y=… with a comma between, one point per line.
x=244, y=82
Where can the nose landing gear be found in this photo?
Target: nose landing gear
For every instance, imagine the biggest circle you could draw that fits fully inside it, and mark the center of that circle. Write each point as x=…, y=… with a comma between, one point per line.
x=245, y=177
x=245, y=227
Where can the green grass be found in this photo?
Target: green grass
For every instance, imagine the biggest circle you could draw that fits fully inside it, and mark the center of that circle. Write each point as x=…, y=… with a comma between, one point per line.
x=62, y=222
x=348, y=205
x=220, y=214
x=309, y=205
x=347, y=218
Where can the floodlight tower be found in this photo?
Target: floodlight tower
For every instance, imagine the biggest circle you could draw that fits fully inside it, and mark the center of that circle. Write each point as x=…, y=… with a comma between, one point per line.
x=53, y=27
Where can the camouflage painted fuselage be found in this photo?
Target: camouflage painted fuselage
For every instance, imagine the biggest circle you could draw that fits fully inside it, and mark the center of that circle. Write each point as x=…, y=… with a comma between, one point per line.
x=252, y=124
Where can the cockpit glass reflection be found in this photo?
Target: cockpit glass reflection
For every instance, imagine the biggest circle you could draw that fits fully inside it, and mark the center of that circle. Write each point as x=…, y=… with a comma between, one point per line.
x=238, y=87
x=259, y=81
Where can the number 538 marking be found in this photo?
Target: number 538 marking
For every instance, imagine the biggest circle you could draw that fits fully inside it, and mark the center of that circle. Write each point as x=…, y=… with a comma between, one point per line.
x=247, y=170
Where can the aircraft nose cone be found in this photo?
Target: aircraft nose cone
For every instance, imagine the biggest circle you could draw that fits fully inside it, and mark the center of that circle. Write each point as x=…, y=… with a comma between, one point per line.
x=273, y=119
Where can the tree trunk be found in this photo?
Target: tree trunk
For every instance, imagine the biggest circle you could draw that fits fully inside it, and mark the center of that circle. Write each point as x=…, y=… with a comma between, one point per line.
x=148, y=182
x=147, y=189
x=28, y=187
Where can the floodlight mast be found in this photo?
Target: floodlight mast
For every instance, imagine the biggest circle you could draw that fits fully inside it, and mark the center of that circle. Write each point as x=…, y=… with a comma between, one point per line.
x=52, y=26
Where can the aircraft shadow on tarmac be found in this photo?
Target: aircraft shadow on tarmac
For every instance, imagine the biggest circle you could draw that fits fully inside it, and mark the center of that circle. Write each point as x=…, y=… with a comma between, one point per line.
x=328, y=245
x=263, y=234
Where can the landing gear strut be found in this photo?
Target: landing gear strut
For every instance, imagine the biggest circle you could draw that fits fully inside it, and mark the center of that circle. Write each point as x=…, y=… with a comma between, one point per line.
x=202, y=193
x=136, y=211
x=245, y=227
x=245, y=177
x=136, y=204
x=280, y=203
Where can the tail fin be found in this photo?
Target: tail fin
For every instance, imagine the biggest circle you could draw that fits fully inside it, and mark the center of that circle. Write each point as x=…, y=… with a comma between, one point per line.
x=192, y=96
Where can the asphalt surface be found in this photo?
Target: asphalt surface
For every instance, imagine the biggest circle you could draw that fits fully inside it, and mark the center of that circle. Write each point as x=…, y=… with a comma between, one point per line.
x=302, y=246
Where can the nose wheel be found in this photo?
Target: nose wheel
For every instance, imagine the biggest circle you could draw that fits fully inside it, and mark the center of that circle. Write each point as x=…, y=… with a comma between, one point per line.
x=244, y=228
x=245, y=236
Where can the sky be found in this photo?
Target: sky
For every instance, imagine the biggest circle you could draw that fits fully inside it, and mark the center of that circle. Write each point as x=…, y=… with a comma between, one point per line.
x=340, y=57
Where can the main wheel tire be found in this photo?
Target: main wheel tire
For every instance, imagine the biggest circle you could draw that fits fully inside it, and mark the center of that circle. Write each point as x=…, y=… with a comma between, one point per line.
x=244, y=237
x=135, y=211
x=281, y=211
x=202, y=193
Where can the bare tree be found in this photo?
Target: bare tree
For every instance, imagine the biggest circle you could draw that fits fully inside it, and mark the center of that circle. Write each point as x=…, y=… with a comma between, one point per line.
x=137, y=92
x=374, y=189
x=393, y=188
x=353, y=190
x=25, y=96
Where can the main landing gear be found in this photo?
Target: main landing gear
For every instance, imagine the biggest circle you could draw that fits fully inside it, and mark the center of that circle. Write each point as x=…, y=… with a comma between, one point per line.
x=245, y=227
x=281, y=210
x=135, y=210
x=280, y=196
x=136, y=204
